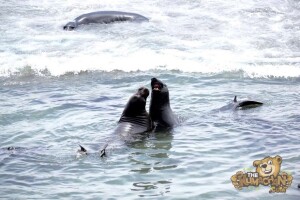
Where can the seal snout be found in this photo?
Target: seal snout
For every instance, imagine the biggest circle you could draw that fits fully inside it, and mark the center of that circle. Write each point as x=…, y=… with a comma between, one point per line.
x=156, y=84
x=156, y=87
x=144, y=92
x=70, y=26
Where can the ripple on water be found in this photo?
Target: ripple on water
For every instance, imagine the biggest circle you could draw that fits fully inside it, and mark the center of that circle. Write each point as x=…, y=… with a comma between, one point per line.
x=194, y=160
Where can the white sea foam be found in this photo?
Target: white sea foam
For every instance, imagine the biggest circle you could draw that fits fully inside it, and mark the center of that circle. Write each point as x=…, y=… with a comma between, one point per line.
x=207, y=37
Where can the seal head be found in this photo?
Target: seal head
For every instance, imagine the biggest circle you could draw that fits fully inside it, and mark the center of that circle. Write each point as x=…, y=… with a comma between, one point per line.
x=135, y=119
x=136, y=104
x=70, y=26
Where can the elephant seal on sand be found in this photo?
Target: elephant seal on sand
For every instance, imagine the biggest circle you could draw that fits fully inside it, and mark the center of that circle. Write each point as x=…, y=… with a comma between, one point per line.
x=135, y=119
x=160, y=109
x=104, y=17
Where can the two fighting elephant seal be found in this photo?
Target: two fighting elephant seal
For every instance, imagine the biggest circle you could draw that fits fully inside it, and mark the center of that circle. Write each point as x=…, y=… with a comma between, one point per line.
x=135, y=119
x=160, y=110
x=104, y=17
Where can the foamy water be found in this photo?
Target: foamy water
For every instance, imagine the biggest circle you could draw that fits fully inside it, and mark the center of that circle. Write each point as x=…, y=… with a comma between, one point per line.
x=259, y=38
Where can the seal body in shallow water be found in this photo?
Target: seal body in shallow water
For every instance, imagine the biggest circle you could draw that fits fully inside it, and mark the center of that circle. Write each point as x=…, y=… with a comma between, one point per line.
x=240, y=105
x=104, y=17
x=160, y=109
x=135, y=119
x=246, y=104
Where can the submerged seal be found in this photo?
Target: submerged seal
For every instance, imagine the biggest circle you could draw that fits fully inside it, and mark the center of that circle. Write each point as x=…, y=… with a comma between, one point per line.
x=104, y=17
x=83, y=152
x=245, y=104
x=160, y=109
x=135, y=119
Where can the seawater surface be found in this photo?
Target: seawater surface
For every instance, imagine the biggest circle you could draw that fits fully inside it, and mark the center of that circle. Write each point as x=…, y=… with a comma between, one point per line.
x=59, y=89
x=48, y=117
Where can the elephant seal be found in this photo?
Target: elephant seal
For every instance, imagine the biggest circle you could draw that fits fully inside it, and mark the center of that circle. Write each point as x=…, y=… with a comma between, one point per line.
x=135, y=119
x=245, y=104
x=104, y=17
x=239, y=105
x=160, y=110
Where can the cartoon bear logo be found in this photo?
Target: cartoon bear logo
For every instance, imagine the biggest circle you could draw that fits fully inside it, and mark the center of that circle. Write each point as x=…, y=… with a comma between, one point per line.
x=268, y=166
x=267, y=173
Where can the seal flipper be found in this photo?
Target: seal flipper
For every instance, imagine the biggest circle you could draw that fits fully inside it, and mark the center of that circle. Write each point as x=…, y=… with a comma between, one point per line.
x=234, y=100
x=82, y=149
x=81, y=152
x=102, y=152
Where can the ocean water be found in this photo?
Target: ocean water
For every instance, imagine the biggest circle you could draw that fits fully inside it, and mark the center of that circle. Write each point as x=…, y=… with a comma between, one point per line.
x=59, y=89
